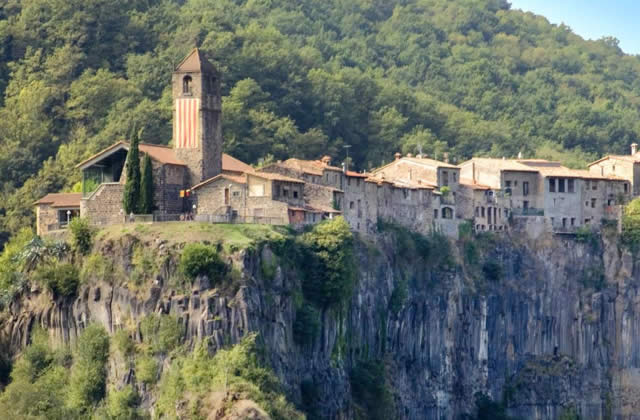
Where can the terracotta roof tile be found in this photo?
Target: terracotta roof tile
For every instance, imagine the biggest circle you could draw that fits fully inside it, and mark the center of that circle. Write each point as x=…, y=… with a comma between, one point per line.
x=275, y=177
x=231, y=164
x=61, y=199
x=238, y=179
x=357, y=174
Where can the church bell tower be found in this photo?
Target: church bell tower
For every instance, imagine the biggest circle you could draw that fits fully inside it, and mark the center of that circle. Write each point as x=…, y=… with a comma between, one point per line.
x=197, y=109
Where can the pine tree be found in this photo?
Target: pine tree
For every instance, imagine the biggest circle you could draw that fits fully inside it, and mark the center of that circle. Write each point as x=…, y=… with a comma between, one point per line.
x=146, y=186
x=131, y=199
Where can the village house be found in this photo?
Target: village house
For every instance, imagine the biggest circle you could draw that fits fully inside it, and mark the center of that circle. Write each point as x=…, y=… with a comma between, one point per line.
x=623, y=166
x=193, y=179
x=541, y=195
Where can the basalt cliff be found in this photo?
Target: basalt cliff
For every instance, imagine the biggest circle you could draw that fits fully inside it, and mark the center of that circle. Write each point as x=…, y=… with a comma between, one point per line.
x=544, y=328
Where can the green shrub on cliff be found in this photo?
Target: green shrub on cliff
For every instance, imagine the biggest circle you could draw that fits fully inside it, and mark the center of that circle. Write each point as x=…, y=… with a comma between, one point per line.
x=88, y=374
x=202, y=260
x=370, y=389
x=329, y=273
x=81, y=235
x=235, y=371
x=307, y=324
x=60, y=277
x=631, y=225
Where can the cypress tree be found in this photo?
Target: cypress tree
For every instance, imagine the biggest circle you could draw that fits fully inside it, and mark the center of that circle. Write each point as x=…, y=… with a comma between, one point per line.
x=131, y=199
x=146, y=186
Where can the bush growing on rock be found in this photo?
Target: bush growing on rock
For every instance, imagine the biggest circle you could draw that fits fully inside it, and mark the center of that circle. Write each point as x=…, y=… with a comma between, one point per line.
x=61, y=278
x=329, y=263
x=306, y=325
x=81, y=235
x=202, y=260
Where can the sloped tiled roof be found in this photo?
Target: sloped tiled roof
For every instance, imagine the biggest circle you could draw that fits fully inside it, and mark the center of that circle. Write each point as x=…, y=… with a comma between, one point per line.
x=162, y=154
x=238, y=179
x=501, y=164
x=61, y=199
x=195, y=62
x=275, y=177
x=473, y=185
x=627, y=158
x=231, y=164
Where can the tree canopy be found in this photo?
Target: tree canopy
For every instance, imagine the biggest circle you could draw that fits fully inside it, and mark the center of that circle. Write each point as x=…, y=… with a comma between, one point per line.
x=304, y=78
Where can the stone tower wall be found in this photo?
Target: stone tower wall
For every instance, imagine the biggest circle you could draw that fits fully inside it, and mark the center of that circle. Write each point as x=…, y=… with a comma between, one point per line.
x=205, y=160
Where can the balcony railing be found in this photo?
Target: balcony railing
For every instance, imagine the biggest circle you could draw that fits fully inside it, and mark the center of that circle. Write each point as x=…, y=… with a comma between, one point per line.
x=530, y=211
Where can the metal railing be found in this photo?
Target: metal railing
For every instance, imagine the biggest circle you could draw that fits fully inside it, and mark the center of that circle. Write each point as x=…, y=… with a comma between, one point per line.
x=223, y=218
x=530, y=211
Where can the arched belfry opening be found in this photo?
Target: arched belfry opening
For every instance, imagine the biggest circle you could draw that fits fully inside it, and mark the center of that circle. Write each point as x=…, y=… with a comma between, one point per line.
x=186, y=85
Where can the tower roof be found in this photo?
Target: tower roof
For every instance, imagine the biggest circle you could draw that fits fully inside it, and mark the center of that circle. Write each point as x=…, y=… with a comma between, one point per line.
x=195, y=62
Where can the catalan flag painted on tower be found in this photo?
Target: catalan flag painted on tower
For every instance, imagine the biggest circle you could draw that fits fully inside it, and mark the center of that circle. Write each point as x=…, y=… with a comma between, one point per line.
x=186, y=127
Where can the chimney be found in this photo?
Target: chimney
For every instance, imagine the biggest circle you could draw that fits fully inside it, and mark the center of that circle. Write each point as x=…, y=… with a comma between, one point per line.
x=473, y=172
x=419, y=156
x=326, y=160
x=520, y=155
x=409, y=155
x=397, y=156
x=634, y=148
x=445, y=156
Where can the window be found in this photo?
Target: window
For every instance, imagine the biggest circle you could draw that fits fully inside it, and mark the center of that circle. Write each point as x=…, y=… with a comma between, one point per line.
x=560, y=185
x=351, y=205
x=226, y=196
x=447, y=213
x=455, y=177
x=525, y=188
x=295, y=194
x=564, y=222
x=359, y=209
x=586, y=183
x=186, y=85
x=507, y=184
x=570, y=185
x=525, y=204
x=586, y=204
x=626, y=188
x=236, y=194
x=586, y=221
x=477, y=211
x=594, y=185
x=593, y=203
x=435, y=213
x=285, y=192
x=515, y=183
x=482, y=208
x=573, y=221
x=552, y=185
x=445, y=178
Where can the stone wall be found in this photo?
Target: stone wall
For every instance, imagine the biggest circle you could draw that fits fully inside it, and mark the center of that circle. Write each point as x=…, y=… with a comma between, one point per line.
x=103, y=207
x=211, y=198
x=45, y=216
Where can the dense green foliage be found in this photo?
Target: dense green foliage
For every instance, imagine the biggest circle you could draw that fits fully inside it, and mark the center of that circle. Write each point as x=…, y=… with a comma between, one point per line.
x=146, y=186
x=62, y=279
x=329, y=274
x=235, y=370
x=371, y=394
x=81, y=235
x=42, y=385
x=202, y=260
x=304, y=78
x=631, y=225
x=131, y=200
x=306, y=325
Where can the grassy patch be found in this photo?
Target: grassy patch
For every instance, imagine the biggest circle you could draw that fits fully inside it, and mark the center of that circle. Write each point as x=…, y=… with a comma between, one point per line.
x=232, y=237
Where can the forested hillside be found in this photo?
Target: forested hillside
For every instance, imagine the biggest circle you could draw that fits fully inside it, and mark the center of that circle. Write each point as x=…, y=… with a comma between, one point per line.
x=303, y=78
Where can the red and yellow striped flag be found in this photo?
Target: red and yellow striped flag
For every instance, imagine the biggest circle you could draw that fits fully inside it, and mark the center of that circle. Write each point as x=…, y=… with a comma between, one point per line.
x=185, y=129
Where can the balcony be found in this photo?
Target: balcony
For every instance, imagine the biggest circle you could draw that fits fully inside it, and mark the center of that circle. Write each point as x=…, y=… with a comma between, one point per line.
x=530, y=211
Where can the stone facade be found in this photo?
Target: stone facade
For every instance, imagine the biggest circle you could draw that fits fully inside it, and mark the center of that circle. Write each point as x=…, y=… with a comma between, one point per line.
x=197, y=78
x=104, y=206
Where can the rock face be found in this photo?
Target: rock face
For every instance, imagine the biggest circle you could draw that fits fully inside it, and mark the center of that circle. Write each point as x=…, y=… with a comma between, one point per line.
x=555, y=329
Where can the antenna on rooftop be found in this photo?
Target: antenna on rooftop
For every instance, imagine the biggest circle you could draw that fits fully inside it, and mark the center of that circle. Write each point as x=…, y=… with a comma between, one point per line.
x=347, y=147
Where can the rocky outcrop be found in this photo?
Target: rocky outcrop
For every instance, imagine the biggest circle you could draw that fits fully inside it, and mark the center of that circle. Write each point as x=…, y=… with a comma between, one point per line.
x=555, y=329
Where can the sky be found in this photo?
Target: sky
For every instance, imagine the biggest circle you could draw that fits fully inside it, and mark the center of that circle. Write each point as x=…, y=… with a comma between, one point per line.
x=592, y=19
